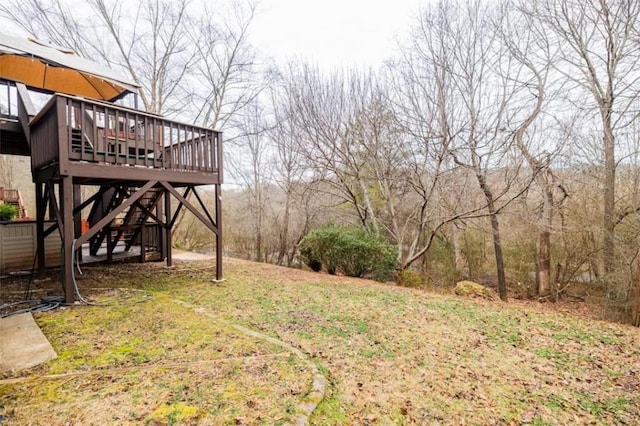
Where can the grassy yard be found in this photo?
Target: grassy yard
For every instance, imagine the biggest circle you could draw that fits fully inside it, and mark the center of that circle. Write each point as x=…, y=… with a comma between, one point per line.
x=391, y=355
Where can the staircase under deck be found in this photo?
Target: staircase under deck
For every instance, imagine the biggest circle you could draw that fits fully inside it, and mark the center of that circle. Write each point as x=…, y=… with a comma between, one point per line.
x=135, y=163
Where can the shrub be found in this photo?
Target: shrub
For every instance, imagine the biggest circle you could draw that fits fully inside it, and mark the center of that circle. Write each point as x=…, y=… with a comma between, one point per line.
x=356, y=252
x=7, y=212
x=410, y=278
x=308, y=256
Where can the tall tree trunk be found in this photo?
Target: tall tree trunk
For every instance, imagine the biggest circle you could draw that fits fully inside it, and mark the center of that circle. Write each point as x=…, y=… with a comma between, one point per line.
x=544, y=247
x=497, y=244
x=457, y=246
x=609, y=194
x=284, y=233
x=259, y=242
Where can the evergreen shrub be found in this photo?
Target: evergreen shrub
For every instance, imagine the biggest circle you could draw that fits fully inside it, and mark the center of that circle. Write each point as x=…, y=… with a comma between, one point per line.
x=355, y=252
x=8, y=212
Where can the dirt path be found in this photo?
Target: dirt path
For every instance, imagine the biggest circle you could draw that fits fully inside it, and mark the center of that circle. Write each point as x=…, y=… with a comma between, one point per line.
x=190, y=255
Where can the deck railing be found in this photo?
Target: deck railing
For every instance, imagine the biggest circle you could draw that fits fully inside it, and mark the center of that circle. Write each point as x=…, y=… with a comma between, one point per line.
x=78, y=129
x=9, y=195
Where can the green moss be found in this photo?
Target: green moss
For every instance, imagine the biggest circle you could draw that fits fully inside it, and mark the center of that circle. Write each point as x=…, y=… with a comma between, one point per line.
x=329, y=412
x=552, y=354
x=174, y=413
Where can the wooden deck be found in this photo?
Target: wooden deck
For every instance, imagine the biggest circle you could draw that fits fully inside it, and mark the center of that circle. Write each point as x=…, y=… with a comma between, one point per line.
x=92, y=140
x=133, y=162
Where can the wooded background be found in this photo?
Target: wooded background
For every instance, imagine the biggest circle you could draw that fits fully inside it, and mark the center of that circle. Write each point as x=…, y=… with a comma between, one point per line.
x=500, y=143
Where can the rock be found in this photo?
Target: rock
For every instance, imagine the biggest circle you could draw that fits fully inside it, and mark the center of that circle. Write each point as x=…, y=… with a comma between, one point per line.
x=472, y=289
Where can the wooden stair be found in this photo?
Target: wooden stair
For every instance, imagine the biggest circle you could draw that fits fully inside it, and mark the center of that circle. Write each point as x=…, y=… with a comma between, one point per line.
x=125, y=229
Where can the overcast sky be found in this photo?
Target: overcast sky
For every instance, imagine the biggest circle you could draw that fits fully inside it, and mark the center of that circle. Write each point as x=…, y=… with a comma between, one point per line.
x=332, y=33
x=328, y=33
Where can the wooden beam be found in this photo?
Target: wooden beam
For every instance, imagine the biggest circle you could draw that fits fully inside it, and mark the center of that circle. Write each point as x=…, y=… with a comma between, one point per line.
x=53, y=204
x=139, y=174
x=218, y=197
x=26, y=99
x=64, y=135
x=76, y=210
x=190, y=206
x=167, y=240
x=108, y=218
x=66, y=196
x=41, y=207
x=220, y=154
x=204, y=207
x=163, y=227
x=177, y=212
x=79, y=208
x=50, y=229
x=26, y=110
x=143, y=244
x=77, y=215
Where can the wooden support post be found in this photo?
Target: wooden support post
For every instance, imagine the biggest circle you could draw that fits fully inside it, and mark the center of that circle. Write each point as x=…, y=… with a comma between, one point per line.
x=143, y=243
x=110, y=243
x=218, y=234
x=52, y=206
x=77, y=218
x=66, y=210
x=163, y=230
x=167, y=213
x=41, y=206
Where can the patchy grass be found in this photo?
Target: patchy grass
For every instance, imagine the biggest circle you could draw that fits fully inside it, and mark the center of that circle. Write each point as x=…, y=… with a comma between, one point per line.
x=152, y=361
x=392, y=355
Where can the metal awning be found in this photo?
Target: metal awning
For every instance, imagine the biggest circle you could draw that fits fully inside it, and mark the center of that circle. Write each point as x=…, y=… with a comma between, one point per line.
x=43, y=67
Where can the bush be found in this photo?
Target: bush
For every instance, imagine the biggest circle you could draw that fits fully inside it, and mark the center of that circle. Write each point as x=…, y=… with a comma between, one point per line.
x=413, y=279
x=7, y=212
x=308, y=255
x=356, y=252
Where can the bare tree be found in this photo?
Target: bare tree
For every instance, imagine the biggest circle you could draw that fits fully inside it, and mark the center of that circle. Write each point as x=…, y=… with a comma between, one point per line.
x=226, y=75
x=146, y=40
x=325, y=111
x=600, y=57
x=151, y=46
x=289, y=175
x=530, y=67
x=252, y=166
x=418, y=95
x=472, y=99
x=52, y=20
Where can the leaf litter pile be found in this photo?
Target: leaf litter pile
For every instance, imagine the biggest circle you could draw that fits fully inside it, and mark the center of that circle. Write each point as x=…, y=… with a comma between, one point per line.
x=391, y=355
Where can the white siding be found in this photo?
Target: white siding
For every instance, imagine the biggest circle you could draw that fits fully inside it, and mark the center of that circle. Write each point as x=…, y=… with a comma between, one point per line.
x=18, y=246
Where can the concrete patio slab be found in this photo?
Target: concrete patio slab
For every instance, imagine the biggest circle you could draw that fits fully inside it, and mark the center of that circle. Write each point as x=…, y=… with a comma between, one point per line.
x=22, y=343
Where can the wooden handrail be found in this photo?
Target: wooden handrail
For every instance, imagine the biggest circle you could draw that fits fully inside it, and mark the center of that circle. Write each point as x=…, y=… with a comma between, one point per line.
x=103, y=133
x=9, y=194
x=43, y=111
x=26, y=110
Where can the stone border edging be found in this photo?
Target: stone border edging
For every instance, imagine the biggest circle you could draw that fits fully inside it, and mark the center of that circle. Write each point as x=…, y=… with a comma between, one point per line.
x=319, y=385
